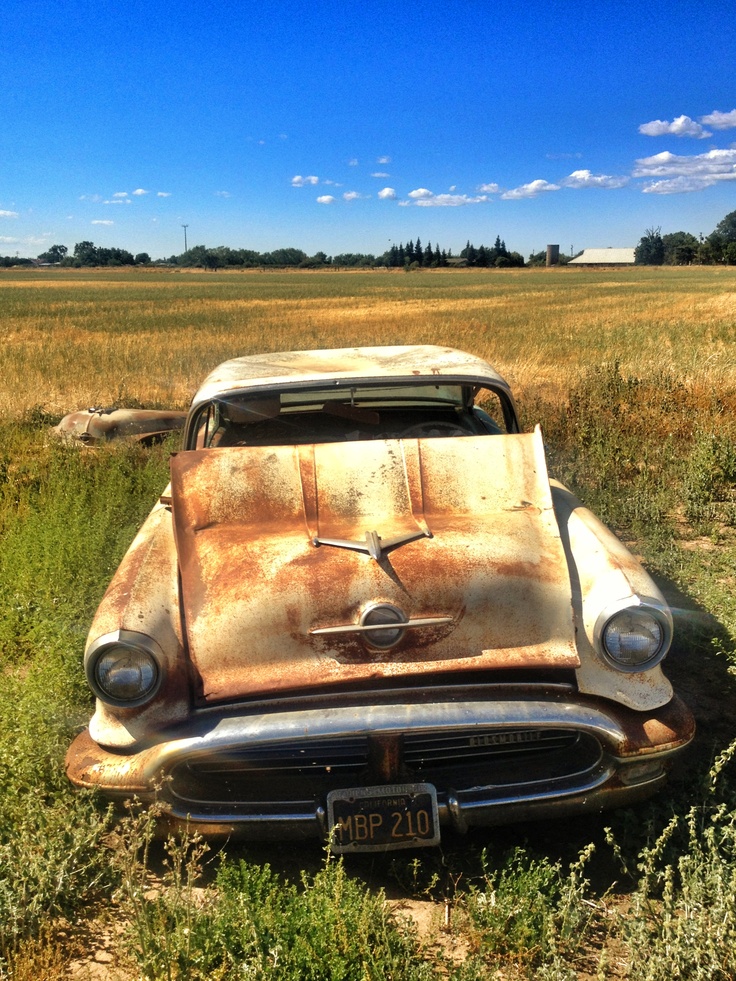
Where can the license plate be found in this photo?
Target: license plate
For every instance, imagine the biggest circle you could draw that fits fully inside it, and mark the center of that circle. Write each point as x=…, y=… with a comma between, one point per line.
x=369, y=819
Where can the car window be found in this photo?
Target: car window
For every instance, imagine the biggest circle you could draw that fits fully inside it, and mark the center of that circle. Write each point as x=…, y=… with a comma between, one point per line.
x=355, y=413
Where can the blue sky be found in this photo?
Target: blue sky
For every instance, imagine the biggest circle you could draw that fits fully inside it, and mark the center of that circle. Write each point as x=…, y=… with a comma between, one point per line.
x=346, y=127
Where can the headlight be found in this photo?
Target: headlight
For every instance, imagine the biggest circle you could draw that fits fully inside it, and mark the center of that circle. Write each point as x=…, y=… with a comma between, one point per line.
x=634, y=635
x=124, y=668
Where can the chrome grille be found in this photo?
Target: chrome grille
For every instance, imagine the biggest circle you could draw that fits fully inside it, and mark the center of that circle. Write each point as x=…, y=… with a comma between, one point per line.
x=458, y=758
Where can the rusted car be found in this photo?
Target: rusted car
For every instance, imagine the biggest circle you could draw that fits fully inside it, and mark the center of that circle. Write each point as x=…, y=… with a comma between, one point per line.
x=100, y=425
x=363, y=611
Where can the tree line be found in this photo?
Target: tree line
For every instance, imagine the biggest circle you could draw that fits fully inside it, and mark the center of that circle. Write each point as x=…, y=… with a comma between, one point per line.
x=413, y=255
x=684, y=249
x=654, y=249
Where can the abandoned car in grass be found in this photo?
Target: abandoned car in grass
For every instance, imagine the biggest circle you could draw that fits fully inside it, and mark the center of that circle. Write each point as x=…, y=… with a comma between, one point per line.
x=362, y=611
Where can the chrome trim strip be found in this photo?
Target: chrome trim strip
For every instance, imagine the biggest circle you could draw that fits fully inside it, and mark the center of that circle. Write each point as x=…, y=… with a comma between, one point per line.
x=356, y=628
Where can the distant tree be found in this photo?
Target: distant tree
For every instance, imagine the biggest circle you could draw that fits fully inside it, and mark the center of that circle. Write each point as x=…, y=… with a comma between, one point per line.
x=353, y=259
x=726, y=227
x=212, y=259
x=680, y=248
x=722, y=236
x=142, y=259
x=55, y=254
x=650, y=250
x=86, y=253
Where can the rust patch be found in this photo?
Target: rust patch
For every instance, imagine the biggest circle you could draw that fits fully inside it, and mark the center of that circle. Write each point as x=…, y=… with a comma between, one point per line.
x=255, y=584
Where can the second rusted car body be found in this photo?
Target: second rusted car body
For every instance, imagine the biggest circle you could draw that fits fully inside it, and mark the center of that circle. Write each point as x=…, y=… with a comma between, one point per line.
x=95, y=425
x=362, y=610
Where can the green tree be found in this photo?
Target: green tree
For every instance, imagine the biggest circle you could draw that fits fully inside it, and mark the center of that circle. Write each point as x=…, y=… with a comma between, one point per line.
x=142, y=259
x=722, y=236
x=55, y=254
x=650, y=250
x=86, y=253
x=726, y=227
x=680, y=248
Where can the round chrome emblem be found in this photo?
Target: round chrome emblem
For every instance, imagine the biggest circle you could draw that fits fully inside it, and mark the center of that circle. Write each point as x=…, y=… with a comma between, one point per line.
x=383, y=625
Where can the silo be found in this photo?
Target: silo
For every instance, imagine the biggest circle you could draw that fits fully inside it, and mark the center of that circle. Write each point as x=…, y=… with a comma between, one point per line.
x=553, y=255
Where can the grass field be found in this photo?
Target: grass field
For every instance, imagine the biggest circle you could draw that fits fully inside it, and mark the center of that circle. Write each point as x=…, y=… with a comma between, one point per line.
x=632, y=374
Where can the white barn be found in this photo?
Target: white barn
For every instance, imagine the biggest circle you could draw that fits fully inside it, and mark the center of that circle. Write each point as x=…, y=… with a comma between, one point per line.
x=604, y=257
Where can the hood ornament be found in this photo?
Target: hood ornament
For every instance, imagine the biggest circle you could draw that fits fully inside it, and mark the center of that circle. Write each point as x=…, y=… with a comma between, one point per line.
x=374, y=545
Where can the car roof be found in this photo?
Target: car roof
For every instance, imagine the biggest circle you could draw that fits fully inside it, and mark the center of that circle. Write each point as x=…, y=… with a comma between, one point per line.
x=399, y=364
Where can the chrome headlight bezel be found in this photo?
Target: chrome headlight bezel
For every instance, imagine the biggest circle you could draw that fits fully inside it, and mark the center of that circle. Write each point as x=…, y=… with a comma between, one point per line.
x=136, y=648
x=650, y=613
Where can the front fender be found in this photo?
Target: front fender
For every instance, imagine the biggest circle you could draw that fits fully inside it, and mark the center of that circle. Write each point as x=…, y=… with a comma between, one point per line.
x=602, y=572
x=143, y=598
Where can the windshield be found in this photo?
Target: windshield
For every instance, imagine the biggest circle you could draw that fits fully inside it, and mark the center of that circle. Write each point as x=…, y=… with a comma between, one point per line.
x=350, y=412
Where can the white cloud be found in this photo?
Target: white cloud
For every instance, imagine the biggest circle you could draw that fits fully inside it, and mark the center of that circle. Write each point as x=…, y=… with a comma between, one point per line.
x=325, y=199
x=353, y=162
x=8, y=214
x=720, y=120
x=677, y=185
x=99, y=221
x=485, y=188
x=300, y=181
x=95, y=198
x=139, y=192
x=120, y=194
x=383, y=160
x=584, y=178
x=563, y=156
x=223, y=194
x=163, y=194
x=119, y=201
x=530, y=190
x=686, y=174
x=682, y=126
x=387, y=194
x=354, y=196
x=380, y=173
x=450, y=200
x=7, y=240
x=667, y=164
x=424, y=198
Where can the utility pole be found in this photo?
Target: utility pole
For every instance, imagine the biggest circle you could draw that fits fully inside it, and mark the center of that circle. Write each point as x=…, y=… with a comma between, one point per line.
x=185, y=236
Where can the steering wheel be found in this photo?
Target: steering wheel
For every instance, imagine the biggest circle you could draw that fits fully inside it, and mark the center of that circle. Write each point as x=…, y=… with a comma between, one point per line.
x=427, y=429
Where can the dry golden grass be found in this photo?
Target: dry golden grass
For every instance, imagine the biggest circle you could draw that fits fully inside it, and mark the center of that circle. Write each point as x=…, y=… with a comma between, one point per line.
x=77, y=337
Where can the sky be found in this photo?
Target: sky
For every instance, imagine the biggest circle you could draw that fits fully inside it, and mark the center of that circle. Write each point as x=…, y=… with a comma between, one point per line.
x=351, y=126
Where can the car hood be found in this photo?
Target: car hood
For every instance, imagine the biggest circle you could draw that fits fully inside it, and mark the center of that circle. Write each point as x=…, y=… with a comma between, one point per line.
x=283, y=549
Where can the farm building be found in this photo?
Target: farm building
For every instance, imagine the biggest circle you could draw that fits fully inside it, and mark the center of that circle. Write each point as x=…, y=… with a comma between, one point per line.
x=604, y=257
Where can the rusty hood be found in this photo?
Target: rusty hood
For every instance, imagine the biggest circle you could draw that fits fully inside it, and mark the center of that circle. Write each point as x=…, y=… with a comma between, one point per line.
x=282, y=551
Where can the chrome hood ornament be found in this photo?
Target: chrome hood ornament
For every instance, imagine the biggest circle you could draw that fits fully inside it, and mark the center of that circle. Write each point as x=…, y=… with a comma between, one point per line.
x=374, y=545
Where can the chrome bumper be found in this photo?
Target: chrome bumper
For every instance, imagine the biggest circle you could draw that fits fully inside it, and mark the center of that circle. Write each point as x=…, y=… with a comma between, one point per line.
x=629, y=764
